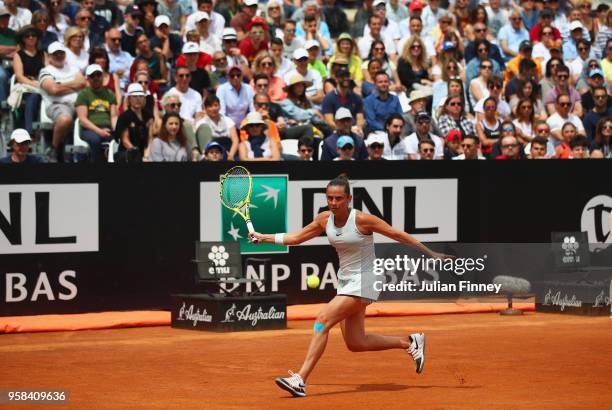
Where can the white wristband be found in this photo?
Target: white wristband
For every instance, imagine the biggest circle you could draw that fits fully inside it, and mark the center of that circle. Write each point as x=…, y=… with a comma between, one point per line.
x=279, y=238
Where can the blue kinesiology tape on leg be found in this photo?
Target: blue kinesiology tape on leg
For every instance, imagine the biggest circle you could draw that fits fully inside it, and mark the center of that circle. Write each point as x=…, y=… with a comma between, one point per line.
x=318, y=327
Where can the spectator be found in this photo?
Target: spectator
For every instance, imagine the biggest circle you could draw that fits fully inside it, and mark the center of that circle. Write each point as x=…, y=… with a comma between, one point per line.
x=471, y=149
x=373, y=30
x=217, y=21
x=412, y=66
x=8, y=46
x=171, y=144
x=152, y=93
x=20, y=17
x=494, y=87
x=563, y=115
x=274, y=16
x=265, y=64
x=306, y=148
x=75, y=49
x=219, y=73
x=489, y=128
x=482, y=48
x=20, y=145
x=605, y=30
x=576, y=66
x=510, y=148
x=200, y=80
x=207, y=41
x=83, y=21
x=299, y=109
x=606, y=63
x=511, y=35
x=258, y=146
x=378, y=52
x=59, y=83
x=235, y=97
x=314, y=63
x=426, y=150
x=175, y=15
x=536, y=33
x=134, y=127
x=570, y=45
x=314, y=92
x=529, y=14
x=548, y=82
x=568, y=134
x=345, y=149
x=478, y=86
x=343, y=96
x=375, y=145
x=163, y=41
x=452, y=115
x=283, y=64
x=336, y=18
x=513, y=66
x=525, y=121
x=312, y=28
x=579, y=148
x=362, y=18
x=96, y=107
x=452, y=148
x=156, y=62
x=431, y=15
x=149, y=12
x=414, y=28
x=98, y=55
x=261, y=102
x=595, y=80
x=233, y=53
x=538, y=148
x=131, y=28
x=526, y=90
x=290, y=41
x=419, y=100
x=240, y=21
x=256, y=40
x=119, y=61
x=367, y=85
x=423, y=133
x=57, y=21
x=217, y=127
x=40, y=20
x=344, y=122
x=602, y=140
x=601, y=110
x=380, y=104
x=214, y=152
x=27, y=63
x=191, y=100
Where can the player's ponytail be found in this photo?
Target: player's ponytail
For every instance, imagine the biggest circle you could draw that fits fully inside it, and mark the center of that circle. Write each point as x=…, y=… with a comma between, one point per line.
x=341, y=180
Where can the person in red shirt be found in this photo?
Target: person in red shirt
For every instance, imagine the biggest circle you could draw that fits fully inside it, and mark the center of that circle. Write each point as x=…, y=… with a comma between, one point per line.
x=546, y=19
x=256, y=39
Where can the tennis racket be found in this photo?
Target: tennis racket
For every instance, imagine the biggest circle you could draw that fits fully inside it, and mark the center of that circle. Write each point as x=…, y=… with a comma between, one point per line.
x=235, y=193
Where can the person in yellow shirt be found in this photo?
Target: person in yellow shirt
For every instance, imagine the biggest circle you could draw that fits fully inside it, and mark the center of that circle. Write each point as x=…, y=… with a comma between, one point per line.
x=606, y=63
x=512, y=68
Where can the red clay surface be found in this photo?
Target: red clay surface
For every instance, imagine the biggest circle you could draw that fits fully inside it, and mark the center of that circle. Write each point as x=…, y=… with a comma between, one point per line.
x=473, y=361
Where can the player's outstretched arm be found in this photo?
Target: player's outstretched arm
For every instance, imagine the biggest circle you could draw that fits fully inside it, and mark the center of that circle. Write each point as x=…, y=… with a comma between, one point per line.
x=369, y=223
x=312, y=230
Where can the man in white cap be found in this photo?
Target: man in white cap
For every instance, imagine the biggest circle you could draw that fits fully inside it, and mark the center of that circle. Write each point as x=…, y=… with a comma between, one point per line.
x=119, y=61
x=200, y=80
x=59, y=85
x=208, y=43
x=376, y=145
x=314, y=62
x=314, y=93
x=96, y=107
x=570, y=44
x=20, y=146
x=233, y=55
x=164, y=41
x=344, y=123
x=243, y=18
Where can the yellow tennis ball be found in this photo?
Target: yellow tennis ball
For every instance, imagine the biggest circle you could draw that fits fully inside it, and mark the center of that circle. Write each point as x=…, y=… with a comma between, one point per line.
x=313, y=281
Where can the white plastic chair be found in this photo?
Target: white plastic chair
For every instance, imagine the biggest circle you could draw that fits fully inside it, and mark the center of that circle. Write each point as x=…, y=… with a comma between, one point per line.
x=321, y=149
x=113, y=147
x=78, y=142
x=290, y=147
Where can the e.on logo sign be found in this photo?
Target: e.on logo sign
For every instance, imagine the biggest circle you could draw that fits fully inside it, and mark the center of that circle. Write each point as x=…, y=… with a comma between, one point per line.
x=48, y=218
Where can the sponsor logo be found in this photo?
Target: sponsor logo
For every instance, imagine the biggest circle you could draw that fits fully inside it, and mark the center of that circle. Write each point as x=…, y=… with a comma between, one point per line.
x=602, y=300
x=187, y=314
x=18, y=288
x=425, y=208
x=48, y=218
x=556, y=299
x=570, y=248
x=596, y=221
x=233, y=315
x=219, y=257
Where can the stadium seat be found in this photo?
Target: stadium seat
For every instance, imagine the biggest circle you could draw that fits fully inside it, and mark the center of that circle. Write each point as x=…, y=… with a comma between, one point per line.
x=290, y=146
x=321, y=149
x=45, y=122
x=113, y=147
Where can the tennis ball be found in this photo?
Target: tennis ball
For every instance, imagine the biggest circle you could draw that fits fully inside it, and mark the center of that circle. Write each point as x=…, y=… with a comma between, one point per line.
x=313, y=281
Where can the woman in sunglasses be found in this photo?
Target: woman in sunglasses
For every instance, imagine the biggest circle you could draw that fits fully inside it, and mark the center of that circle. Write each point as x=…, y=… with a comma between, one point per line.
x=265, y=64
x=602, y=140
x=528, y=89
x=489, y=129
x=453, y=116
x=478, y=86
x=547, y=83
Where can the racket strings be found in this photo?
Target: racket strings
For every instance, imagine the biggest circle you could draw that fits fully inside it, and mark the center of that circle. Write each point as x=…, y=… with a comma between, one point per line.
x=236, y=187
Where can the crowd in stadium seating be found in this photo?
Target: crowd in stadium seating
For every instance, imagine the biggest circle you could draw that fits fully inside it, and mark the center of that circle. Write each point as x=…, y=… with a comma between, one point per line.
x=210, y=80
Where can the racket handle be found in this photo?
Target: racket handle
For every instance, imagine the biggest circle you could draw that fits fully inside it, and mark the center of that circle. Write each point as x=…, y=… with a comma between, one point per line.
x=251, y=229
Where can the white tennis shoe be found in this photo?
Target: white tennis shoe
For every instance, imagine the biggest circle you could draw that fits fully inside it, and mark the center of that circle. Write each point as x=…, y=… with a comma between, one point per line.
x=293, y=384
x=417, y=350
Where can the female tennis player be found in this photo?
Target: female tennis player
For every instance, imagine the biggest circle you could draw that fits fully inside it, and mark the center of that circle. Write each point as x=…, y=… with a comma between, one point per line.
x=351, y=233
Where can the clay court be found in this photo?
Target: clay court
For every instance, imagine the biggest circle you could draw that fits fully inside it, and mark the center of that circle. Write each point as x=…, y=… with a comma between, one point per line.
x=473, y=361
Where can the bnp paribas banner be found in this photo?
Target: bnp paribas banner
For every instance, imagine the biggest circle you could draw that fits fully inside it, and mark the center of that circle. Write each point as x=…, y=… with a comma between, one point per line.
x=425, y=208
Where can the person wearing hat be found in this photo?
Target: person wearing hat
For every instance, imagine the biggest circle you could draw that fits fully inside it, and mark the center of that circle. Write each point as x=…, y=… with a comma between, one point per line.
x=233, y=55
x=314, y=91
x=256, y=39
x=346, y=49
x=132, y=17
x=314, y=62
x=375, y=144
x=214, y=152
x=512, y=35
x=602, y=105
x=298, y=108
x=134, y=126
x=208, y=42
x=96, y=107
x=217, y=21
x=240, y=21
x=512, y=68
x=345, y=147
x=343, y=126
x=200, y=80
x=258, y=146
x=236, y=97
x=164, y=41
x=344, y=96
x=570, y=44
x=419, y=101
x=59, y=83
x=20, y=146
x=27, y=63
x=452, y=147
x=174, y=12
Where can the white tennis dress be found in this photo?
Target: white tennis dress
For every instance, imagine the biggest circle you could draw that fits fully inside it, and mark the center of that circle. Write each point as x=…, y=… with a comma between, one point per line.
x=356, y=255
